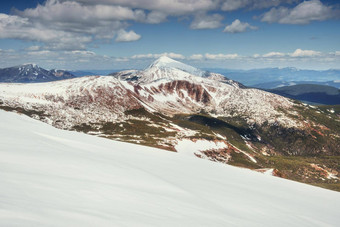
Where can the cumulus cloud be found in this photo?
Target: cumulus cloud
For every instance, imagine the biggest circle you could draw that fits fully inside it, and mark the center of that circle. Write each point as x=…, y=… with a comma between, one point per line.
x=196, y=57
x=273, y=54
x=170, y=55
x=70, y=25
x=298, y=53
x=237, y=27
x=304, y=13
x=206, y=56
x=15, y=27
x=33, y=48
x=220, y=56
x=100, y=21
x=174, y=8
x=231, y=5
x=74, y=24
x=305, y=53
x=155, y=17
x=79, y=59
x=124, y=36
x=57, y=59
x=68, y=11
x=204, y=21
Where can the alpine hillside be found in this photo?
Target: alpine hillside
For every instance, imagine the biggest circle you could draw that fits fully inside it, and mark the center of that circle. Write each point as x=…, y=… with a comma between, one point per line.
x=175, y=106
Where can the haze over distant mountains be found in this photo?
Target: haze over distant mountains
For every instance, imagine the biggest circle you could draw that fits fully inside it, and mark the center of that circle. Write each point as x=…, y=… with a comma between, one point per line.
x=310, y=93
x=267, y=78
x=278, y=84
x=273, y=77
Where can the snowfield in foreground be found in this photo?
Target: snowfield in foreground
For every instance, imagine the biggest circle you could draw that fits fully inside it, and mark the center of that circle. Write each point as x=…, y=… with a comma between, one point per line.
x=50, y=177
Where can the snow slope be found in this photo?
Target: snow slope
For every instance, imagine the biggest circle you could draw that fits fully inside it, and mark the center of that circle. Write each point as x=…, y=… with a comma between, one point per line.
x=51, y=177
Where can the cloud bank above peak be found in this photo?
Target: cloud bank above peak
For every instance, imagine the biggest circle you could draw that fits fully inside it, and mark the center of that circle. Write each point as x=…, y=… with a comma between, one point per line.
x=193, y=30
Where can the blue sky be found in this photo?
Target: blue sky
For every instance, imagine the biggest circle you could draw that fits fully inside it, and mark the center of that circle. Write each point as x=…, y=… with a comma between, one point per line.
x=119, y=34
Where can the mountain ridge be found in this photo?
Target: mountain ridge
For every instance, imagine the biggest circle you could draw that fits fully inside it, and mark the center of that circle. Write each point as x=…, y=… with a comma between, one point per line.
x=161, y=106
x=32, y=73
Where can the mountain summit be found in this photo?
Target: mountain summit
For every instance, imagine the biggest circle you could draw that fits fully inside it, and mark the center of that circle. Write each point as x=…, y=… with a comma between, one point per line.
x=165, y=62
x=167, y=69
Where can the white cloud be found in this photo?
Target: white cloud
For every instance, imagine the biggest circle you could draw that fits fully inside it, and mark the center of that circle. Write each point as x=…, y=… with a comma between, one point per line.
x=33, y=48
x=298, y=53
x=146, y=56
x=83, y=52
x=221, y=56
x=69, y=11
x=196, y=57
x=41, y=52
x=122, y=59
x=58, y=59
x=155, y=17
x=237, y=27
x=124, y=36
x=172, y=55
x=70, y=25
x=15, y=27
x=304, y=13
x=231, y=5
x=273, y=54
x=141, y=56
x=79, y=59
x=185, y=7
x=100, y=21
x=204, y=21
x=174, y=8
x=305, y=53
x=74, y=24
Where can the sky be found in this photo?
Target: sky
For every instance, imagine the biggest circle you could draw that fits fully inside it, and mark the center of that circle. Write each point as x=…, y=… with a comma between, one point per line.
x=125, y=34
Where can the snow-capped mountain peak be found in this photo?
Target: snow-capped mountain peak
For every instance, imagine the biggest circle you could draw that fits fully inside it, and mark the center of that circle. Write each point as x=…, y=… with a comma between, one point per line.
x=33, y=65
x=165, y=62
x=167, y=69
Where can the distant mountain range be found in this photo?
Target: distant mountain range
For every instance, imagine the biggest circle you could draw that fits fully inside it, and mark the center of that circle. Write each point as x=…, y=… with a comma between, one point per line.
x=80, y=73
x=310, y=93
x=267, y=78
x=277, y=84
x=32, y=73
x=280, y=75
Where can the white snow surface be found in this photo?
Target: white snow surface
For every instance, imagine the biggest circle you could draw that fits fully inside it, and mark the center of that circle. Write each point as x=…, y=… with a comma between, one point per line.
x=51, y=177
x=190, y=147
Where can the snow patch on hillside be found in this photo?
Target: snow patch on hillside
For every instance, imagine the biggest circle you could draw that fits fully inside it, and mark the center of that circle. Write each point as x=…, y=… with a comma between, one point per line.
x=195, y=147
